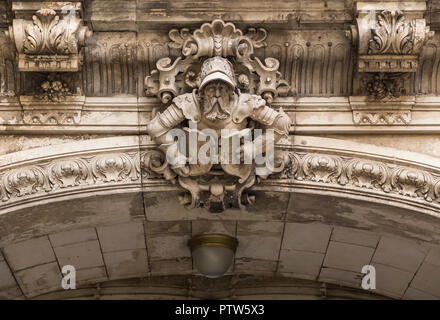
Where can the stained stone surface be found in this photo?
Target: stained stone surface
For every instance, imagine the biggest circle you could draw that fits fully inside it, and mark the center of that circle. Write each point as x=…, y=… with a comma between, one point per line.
x=362, y=186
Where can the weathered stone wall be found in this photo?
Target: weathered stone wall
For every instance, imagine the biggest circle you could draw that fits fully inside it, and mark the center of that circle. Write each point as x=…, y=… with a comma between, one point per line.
x=75, y=185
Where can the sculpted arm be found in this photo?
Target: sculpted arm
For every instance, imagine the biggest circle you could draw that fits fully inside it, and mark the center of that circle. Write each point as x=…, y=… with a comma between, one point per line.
x=159, y=126
x=279, y=122
x=272, y=119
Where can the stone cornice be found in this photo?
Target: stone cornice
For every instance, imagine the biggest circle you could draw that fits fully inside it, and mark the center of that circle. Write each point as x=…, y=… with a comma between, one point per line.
x=129, y=115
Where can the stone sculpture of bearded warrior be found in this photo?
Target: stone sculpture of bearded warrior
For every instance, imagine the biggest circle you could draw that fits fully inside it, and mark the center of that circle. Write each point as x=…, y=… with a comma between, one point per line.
x=217, y=104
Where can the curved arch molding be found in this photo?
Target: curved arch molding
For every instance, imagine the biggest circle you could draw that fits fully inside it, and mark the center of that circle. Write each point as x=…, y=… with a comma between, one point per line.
x=348, y=197
x=114, y=165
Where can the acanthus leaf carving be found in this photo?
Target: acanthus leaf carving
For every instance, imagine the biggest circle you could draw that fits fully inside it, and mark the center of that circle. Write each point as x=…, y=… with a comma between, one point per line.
x=113, y=167
x=389, y=40
x=365, y=174
x=322, y=168
x=69, y=173
x=392, y=34
x=290, y=164
x=412, y=183
x=25, y=181
x=51, y=41
x=62, y=175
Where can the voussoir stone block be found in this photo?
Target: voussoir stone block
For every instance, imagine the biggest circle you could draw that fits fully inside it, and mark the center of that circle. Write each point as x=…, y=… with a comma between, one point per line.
x=72, y=236
x=392, y=281
x=427, y=279
x=167, y=227
x=29, y=253
x=246, y=265
x=339, y=276
x=126, y=263
x=355, y=236
x=40, y=279
x=415, y=294
x=7, y=281
x=122, y=236
x=306, y=237
x=348, y=257
x=399, y=253
x=91, y=275
x=300, y=262
x=80, y=255
x=172, y=266
x=164, y=247
x=259, y=240
x=208, y=226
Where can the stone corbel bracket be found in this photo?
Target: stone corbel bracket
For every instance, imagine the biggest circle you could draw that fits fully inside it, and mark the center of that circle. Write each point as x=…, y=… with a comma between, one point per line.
x=48, y=39
x=216, y=39
x=390, y=35
x=385, y=113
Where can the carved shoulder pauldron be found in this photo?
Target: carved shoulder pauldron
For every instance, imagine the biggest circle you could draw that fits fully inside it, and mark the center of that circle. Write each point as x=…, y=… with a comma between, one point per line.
x=189, y=105
x=246, y=105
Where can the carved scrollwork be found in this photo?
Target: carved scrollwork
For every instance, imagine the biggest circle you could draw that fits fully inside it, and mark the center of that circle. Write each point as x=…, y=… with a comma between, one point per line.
x=322, y=168
x=389, y=42
x=290, y=164
x=392, y=34
x=217, y=54
x=155, y=164
x=365, y=174
x=412, y=183
x=212, y=191
x=69, y=173
x=113, y=167
x=216, y=195
x=216, y=39
x=24, y=181
x=63, y=174
x=50, y=41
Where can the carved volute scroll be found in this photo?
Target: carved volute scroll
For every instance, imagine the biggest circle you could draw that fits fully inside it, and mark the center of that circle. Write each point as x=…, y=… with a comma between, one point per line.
x=48, y=40
x=216, y=84
x=389, y=38
x=216, y=39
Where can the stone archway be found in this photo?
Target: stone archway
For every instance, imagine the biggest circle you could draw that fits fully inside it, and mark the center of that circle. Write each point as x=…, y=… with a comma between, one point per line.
x=100, y=213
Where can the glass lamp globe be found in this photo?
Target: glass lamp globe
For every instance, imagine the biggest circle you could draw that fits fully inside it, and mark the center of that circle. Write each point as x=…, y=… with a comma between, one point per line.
x=213, y=253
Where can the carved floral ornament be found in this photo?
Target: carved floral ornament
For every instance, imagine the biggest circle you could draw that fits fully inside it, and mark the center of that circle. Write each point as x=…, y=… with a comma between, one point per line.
x=389, y=42
x=50, y=42
x=309, y=169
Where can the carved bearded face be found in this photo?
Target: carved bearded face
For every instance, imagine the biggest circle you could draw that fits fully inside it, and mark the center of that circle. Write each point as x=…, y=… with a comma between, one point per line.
x=216, y=98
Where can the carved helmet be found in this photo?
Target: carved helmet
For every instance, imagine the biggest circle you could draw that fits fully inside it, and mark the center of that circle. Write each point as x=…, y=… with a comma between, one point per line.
x=217, y=68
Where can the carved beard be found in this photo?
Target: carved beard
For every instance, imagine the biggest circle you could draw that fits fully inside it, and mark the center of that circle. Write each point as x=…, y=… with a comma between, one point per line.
x=216, y=108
